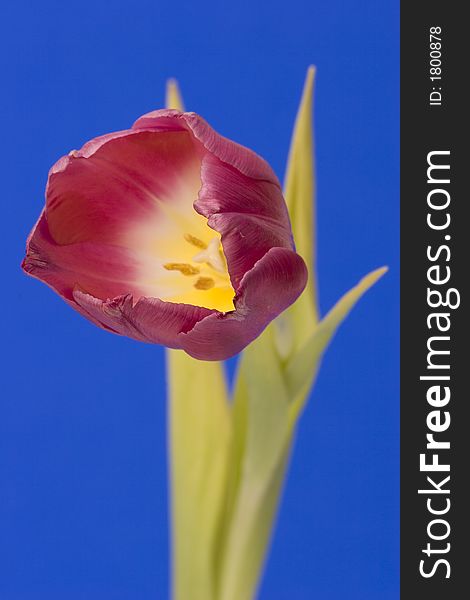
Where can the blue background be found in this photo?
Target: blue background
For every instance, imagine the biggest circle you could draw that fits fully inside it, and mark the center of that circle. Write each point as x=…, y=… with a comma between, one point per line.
x=83, y=494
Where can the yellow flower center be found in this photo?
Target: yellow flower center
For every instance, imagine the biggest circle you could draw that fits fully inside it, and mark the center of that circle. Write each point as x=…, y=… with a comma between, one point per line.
x=204, y=279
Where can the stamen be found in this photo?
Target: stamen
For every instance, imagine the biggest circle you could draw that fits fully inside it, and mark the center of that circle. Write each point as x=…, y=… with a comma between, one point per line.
x=195, y=241
x=183, y=268
x=204, y=283
x=212, y=256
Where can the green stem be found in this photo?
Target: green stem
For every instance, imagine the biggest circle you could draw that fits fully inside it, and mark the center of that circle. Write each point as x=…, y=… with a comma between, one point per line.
x=262, y=441
x=199, y=434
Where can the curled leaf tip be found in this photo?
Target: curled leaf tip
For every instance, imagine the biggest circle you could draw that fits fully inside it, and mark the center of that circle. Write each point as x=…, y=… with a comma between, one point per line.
x=311, y=71
x=173, y=95
x=299, y=192
x=375, y=275
x=307, y=94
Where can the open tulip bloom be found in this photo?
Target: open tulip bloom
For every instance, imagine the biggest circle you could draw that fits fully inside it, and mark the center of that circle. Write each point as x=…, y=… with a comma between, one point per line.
x=171, y=234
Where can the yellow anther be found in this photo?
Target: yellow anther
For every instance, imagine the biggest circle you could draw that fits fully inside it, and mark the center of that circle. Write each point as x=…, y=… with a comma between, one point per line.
x=183, y=268
x=195, y=241
x=204, y=283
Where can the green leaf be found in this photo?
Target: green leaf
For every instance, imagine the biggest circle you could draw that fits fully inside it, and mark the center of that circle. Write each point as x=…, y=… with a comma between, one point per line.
x=268, y=399
x=258, y=461
x=297, y=323
x=302, y=368
x=274, y=378
x=200, y=433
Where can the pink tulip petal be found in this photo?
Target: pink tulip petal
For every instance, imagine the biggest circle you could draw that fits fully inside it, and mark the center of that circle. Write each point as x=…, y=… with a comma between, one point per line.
x=102, y=269
x=246, y=239
x=273, y=284
x=150, y=320
x=244, y=160
x=99, y=192
x=240, y=193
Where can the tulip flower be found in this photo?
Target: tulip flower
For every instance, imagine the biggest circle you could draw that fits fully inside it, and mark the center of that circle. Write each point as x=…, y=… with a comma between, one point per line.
x=168, y=233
